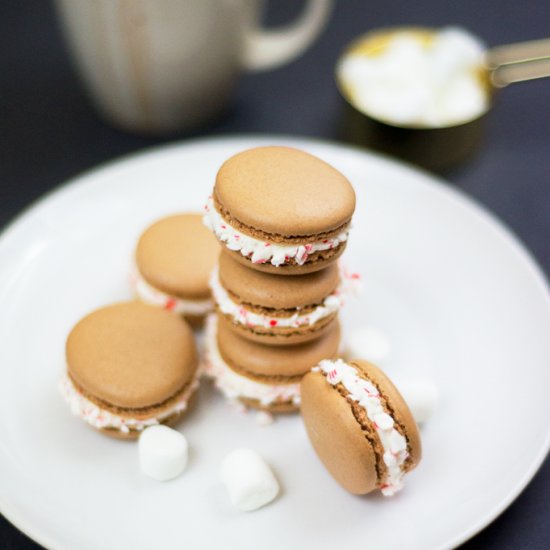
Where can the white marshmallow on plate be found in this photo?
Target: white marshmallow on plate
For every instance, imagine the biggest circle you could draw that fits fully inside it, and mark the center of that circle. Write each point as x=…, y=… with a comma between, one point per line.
x=263, y=418
x=420, y=394
x=248, y=479
x=163, y=452
x=367, y=343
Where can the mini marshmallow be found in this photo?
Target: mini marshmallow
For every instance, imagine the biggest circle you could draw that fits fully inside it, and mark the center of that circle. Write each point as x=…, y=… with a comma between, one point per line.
x=421, y=395
x=163, y=452
x=248, y=479
x=367, y=343
x=263, y=418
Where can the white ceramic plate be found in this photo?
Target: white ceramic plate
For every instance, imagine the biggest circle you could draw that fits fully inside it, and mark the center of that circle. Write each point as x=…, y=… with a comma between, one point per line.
x=460, y=299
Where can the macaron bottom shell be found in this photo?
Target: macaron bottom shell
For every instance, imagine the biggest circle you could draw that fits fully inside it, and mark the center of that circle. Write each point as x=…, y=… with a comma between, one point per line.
x=132, y=435
x=280, y=407
x=315, y=262
x=281, y=336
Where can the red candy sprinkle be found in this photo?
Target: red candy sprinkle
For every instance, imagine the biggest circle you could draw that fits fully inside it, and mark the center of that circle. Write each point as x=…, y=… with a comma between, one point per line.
x=170, y=304
x=272, y=323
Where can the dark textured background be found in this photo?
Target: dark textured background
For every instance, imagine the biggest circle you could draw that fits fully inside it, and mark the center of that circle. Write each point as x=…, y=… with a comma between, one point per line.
x=48, y=133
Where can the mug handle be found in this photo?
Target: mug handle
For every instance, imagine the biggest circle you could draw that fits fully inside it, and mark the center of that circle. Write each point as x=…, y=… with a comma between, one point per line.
x=266, y=49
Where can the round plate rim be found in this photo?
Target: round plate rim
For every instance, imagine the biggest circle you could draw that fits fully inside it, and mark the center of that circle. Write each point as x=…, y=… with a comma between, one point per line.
x=521, y=251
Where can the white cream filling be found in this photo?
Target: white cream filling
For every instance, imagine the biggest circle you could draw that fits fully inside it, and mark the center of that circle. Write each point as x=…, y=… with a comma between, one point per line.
x=248, y=318
x=261, y=252
x=367, y=395
x=100, y=418
x=233, y=385
x=153, y=296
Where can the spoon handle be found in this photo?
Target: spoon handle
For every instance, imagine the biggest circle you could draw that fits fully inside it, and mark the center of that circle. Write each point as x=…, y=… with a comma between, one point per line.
x=520, y=72
x=519, y=62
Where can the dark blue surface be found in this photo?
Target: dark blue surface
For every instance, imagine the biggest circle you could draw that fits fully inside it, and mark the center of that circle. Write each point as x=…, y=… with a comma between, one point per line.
x=48, y=133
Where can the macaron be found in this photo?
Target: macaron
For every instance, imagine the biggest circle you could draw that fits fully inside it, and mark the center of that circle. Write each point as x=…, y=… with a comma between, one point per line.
x=174, y=258
x=260, y=376
x=360, y=426
x=276, y=310
x=281, y=210
x=130, y=366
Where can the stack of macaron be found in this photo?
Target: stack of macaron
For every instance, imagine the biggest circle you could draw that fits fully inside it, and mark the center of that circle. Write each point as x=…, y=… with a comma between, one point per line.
x=271, y=294
x=283, y=218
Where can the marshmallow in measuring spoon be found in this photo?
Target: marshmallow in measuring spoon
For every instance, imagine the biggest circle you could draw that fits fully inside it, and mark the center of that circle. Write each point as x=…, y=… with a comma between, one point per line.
x=163, y=452
x=414, y=81
x=248, y=479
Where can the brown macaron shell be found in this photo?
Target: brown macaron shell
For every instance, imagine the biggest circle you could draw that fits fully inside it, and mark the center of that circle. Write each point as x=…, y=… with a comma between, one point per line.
x=284, y=192
x=278, y=297
x=176, y=256
x=336, y=436
x=342, y=435
x=169, y=421
x=285, y=196
x=274, y=364
x=278, y=407
x=132, y=359
x=315, y=262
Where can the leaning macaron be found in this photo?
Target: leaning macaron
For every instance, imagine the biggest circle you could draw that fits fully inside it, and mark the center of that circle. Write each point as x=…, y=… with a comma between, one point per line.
x=174, y=258
x=281, y=210
x=130, y=366
x=360, y=426
x=276, y=310
x=259, y=376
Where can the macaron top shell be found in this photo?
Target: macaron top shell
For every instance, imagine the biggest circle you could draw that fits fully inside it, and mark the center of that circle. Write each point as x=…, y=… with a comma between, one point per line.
x=273, y=291
x=283, y=363
x=131, y=355
x=177, y=254
x=284, y=191
x=351, y=452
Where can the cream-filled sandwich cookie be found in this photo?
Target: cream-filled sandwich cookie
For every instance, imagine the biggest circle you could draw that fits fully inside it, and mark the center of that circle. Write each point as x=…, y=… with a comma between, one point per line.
x=260, y=376
x=173, y=261
x=276, y=310
x=130, y=366
x=360, y=426
x=281, y=210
